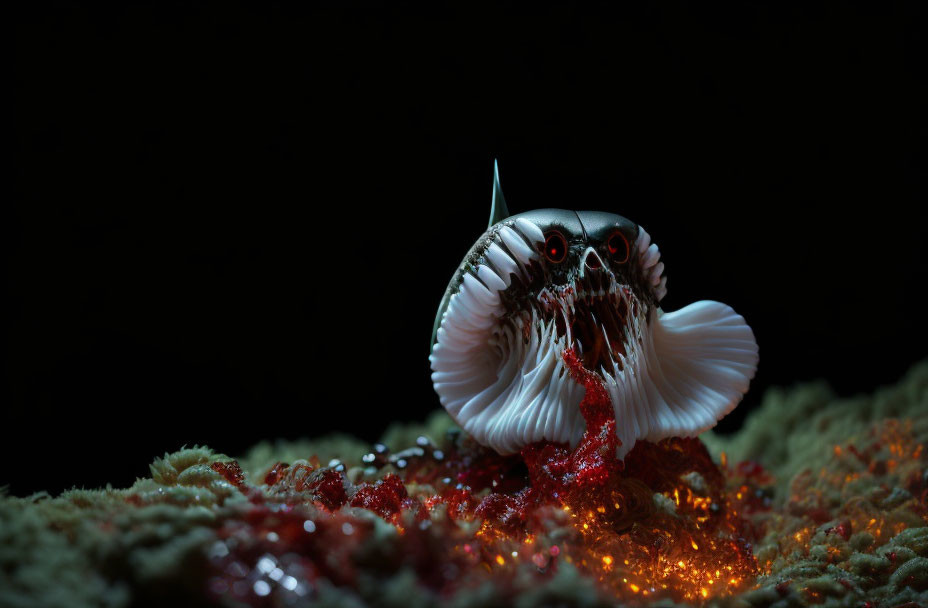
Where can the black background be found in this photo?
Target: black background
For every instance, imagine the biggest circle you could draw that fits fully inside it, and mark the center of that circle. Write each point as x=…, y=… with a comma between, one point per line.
x=234, y=221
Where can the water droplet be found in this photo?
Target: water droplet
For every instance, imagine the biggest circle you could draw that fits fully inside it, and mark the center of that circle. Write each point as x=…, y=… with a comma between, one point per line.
x=266, y=564
x=262, y=588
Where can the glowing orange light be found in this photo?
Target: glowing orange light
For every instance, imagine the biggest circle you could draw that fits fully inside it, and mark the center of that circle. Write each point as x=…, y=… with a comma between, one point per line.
x=500, y=560
x=704, y=592
x=695, y=546
x=634, y=587
x=607, y=559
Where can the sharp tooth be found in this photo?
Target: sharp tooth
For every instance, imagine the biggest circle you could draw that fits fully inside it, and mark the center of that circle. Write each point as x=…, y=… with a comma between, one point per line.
x=515, y=244
x=490, y=279
x=504, y=264
x=531, y=231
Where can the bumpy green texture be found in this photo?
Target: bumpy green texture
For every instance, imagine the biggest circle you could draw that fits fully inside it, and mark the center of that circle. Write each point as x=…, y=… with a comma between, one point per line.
x=847, y=524
x=796, y=428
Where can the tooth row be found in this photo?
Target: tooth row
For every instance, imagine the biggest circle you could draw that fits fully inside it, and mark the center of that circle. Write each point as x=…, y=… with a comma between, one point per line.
x=573, y=297
x=470, y=322
x=632, y=333
x=599, y=293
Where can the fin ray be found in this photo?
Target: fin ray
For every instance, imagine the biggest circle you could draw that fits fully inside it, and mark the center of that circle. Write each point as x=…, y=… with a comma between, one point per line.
x=704, y=355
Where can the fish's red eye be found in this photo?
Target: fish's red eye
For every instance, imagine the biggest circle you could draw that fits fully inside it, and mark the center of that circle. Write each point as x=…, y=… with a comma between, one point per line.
x=618, y=247
x=555, y=247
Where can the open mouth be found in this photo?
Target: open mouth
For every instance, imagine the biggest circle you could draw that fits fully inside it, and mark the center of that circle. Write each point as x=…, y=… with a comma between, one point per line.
x=515, y=309
x=597, y=314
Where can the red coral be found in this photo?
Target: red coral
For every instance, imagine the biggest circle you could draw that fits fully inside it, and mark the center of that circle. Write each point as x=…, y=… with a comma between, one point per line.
x=604, y=510
x=231, y=471
x=275, y=473
x=328, y=487
x=385, y=498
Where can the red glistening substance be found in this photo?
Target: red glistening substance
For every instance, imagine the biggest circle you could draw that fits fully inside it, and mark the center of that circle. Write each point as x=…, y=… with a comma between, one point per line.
x=666, y=522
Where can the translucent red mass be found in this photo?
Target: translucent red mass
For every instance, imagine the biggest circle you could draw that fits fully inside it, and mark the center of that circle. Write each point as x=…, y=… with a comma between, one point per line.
x=661, y=524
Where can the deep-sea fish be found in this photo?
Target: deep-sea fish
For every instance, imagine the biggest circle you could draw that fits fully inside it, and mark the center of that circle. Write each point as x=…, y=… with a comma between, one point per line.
x=538, y=283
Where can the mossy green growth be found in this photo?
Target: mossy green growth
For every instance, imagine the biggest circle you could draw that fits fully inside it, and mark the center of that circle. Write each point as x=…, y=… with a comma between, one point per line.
x=151, y=543
x=796, y=428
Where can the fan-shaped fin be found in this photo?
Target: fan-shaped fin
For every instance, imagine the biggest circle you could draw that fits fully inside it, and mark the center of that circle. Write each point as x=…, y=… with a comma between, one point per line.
x=704, y=356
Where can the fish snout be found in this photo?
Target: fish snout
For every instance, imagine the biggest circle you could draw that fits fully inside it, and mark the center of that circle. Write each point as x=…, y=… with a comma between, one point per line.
x=590, y=261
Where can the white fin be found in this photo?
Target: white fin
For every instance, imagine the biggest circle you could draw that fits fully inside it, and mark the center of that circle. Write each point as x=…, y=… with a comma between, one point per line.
x=705, y=357
x=692, y=368
x=649, y=258
x=504, y=383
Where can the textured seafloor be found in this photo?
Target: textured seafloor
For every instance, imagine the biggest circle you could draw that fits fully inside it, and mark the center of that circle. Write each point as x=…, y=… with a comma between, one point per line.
x=819, y=500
